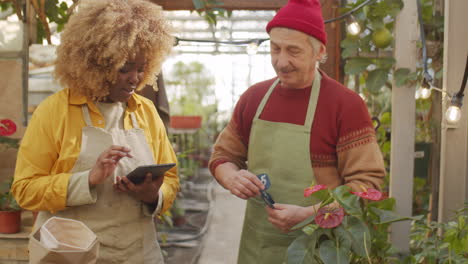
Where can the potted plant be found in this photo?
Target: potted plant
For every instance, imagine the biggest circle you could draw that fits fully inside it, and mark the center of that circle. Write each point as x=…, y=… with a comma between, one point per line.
x=349, y=227
x=185, y=122
x=10, y=212
x=8, y=128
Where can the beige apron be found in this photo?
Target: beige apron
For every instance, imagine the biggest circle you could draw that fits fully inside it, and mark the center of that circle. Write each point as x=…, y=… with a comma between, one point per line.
x=281, y=150
x=125, y=234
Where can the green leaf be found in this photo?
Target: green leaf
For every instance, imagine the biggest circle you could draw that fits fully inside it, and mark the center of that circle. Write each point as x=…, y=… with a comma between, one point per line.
x=5, y=6
x=387, y=204
x=386, y=118
x=386, y=147
x=329, y=253
x=214, y=2
x=348, y=52
x=376, y=24
x=387, y=62
x=377, y=79
x=302, y=249
x=321, y=195
x=401, y=76
x=360, y=234
x=307, y=221
x=198, y=4
x=366, y=43
x=349, y=43
x=310, y=229
x=357, y=65
x=344, y=238
x=390, y=217
x=210, y=17
x=347, y=200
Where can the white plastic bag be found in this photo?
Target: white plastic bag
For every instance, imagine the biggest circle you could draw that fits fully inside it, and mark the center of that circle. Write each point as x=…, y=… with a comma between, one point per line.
x=65, y=241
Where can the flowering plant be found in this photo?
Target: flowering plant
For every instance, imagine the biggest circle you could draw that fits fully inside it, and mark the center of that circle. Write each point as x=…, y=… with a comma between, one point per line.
x=348, y=227
x=8, y=128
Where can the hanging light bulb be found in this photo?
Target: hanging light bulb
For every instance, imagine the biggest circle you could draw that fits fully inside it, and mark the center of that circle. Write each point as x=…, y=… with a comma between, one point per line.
x=223, y=33
x=353, y=27
x=252, y=48
x=417, y=94
x=425, y=93
x=425, y=89
x=453, y=114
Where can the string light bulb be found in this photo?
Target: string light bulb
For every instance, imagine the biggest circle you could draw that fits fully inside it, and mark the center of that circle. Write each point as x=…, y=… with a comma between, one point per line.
x=425, y=89
x=425, y=93
x=453, y=114
x=252, y=48
x=353, y=26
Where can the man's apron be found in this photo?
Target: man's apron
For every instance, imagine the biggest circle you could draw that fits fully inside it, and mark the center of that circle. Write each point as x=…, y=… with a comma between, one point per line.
x=282, y=151
x=125, y=234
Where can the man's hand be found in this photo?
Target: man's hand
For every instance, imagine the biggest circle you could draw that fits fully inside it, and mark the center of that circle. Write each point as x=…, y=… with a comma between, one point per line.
x=241, y=183
x=106, y=164
x=147, y=191
x=286, y=216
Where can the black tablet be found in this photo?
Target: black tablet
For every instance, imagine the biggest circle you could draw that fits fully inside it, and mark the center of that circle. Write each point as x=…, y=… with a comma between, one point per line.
x=138, y=175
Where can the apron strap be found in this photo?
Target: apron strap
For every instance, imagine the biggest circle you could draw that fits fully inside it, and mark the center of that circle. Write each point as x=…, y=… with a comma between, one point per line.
x=134, y=121
x=265, y=98
x=86, y=116
x=313, y=99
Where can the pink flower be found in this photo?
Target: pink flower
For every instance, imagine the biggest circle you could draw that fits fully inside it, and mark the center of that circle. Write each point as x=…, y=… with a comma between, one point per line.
x=370, y=194
x=7, y=127
x=329, y=217
x=310, y=190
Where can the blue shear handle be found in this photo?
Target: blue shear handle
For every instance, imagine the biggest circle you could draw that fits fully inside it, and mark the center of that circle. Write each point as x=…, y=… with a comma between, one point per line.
x=268, y=199
x=263, y=177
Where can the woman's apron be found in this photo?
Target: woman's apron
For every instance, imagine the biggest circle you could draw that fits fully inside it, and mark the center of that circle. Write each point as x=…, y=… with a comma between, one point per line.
x=282, y=151
x=125, y=234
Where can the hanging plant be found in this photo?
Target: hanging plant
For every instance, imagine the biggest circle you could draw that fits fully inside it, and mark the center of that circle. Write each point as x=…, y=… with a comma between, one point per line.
x=211, y=10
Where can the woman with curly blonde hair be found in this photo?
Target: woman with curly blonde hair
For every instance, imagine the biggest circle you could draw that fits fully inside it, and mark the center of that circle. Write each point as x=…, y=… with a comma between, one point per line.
x=82, y=140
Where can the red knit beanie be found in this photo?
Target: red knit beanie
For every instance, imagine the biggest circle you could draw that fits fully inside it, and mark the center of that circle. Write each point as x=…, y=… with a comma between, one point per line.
x=301, y=15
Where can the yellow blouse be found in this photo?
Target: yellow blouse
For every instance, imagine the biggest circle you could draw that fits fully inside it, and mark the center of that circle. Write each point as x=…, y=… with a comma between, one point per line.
x=52, y=143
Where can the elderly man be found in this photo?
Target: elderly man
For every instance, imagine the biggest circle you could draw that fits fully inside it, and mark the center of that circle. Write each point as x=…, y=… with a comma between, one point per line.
x=300, y=128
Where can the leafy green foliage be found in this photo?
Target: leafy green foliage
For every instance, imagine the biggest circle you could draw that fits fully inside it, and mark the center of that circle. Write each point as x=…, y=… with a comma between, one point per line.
x=189, y=88
x=433, y=242
x=7, y=201
x=5, y=6
x=56, y=12
x=211, y=10
x=362, y=236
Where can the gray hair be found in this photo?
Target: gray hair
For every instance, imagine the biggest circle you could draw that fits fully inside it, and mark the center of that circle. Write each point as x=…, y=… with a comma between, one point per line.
x=316, y=44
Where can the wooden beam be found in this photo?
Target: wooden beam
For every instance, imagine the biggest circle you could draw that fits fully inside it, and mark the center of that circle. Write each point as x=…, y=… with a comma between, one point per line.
x=403, y=124
x=170, y=5
x=454, y=156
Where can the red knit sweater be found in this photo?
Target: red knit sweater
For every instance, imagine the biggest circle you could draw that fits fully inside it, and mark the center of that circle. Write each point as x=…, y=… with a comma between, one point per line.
x=343, y=145
x=339, y=112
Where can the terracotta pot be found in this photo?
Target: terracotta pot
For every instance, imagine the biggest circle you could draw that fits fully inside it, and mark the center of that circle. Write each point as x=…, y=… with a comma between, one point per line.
x=10, y=222
x=185, y=122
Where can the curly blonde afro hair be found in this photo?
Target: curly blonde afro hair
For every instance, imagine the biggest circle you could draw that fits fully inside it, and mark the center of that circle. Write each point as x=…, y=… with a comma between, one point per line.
x=102, y=35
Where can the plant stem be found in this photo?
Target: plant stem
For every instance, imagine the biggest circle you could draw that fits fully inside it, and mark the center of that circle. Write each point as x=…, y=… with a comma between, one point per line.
x=367, y=251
